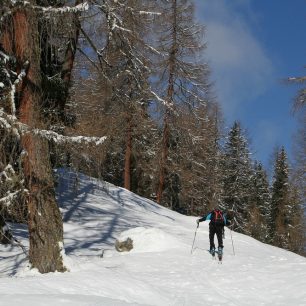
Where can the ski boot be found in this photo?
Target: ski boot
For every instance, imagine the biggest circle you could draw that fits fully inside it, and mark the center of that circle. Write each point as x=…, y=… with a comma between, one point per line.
x=212, y=251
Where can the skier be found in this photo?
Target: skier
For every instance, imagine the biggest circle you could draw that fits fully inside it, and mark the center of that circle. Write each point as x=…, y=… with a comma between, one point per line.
x=218, y=220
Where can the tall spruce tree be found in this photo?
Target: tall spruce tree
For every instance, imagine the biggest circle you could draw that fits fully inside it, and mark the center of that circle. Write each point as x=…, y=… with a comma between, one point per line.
x=260, y=205
x=199, y=160
x=237, y=178
x=281, y=209
x=287, y=228
x=297, y=225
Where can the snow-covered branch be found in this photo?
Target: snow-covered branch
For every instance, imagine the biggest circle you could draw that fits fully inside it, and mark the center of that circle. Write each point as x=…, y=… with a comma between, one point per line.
x=8, y=122
x=11, y=123
x=65, y=9
x=61, y=139
x=9, y=179
x=7, y=173
x=5, y=57
x=149, y=13
x=11, y=196
x=297, y=79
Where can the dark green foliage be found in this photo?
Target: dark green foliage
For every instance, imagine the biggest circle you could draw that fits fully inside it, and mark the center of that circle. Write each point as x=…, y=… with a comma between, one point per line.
x=280, y=211
x=171, y=193
x=287, y=217
x=260, y=205
x=237, y=178
x=53, y=3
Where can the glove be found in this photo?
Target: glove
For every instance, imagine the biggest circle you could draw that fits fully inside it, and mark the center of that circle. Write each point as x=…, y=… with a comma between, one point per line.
x=198, y=222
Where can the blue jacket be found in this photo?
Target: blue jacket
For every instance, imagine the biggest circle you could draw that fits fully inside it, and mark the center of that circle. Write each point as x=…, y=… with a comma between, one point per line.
x=209, y=216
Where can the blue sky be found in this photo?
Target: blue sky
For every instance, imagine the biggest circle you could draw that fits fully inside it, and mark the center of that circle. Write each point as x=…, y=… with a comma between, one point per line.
x=252, y=45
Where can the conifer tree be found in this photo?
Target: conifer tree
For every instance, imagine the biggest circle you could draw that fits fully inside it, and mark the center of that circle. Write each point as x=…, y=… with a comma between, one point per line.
x=237, y=178
x=200, y=159
x=281, y=210
x=297, y=226
x=260, y=205
x=287, y=213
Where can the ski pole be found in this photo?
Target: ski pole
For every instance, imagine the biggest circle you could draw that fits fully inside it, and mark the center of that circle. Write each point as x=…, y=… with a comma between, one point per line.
x=194, y=237
x=232, y=241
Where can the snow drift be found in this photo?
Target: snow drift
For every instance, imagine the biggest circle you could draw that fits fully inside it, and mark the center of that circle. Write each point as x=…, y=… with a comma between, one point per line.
x=150, y=240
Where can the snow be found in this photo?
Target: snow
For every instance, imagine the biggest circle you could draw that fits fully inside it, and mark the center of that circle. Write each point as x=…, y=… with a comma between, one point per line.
x=78, y=8
x=4, y=123
x=61, y=139
x=149, y=13
x=159, y=270
x=74, y=9
x=150, y=240
x=5, y=57
x=9, y=197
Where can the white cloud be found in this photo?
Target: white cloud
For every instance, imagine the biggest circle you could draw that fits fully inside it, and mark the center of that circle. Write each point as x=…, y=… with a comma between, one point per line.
x=240, y=64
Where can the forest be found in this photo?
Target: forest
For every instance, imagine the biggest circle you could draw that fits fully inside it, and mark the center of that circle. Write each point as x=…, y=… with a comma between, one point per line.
x=120, y=90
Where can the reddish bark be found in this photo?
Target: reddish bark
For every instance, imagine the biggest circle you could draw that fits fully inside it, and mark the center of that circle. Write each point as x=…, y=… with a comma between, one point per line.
x=71, y=49
x=45, y=223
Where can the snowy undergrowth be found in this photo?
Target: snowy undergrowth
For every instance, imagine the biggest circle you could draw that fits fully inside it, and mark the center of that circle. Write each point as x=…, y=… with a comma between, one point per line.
x=160, y=270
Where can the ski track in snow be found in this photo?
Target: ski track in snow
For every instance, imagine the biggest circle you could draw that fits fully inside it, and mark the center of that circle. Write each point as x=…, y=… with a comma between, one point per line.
x=160, y=270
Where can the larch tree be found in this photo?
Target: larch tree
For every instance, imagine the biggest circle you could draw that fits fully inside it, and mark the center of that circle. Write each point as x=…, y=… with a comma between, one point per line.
x=26, y=41
x=118, y=49
x=300, y=99
x=46, y=238
x=182, y=78
x=299, y=162
x=128, y=70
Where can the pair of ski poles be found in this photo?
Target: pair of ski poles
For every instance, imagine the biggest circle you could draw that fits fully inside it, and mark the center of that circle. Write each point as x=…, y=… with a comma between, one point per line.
x=195, y=234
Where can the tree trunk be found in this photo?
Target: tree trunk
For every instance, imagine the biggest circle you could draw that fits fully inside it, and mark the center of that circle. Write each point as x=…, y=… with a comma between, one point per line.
x=45, y=222
x=170, y=96
x=71, y=51
x=163, y=161
x=128, y=154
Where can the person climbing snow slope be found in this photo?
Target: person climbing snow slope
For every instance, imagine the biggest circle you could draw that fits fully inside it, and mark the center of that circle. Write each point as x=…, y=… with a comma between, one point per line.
x=218, y=220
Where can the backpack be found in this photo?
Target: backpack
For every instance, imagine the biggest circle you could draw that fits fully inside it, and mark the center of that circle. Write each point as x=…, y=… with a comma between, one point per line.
x=217, y=217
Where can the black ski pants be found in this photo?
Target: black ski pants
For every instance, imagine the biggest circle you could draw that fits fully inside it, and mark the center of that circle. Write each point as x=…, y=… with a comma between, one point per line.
x=218, y=230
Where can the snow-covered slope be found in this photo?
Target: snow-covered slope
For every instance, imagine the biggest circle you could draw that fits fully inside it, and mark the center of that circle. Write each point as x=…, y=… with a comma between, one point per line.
x=160, y=270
